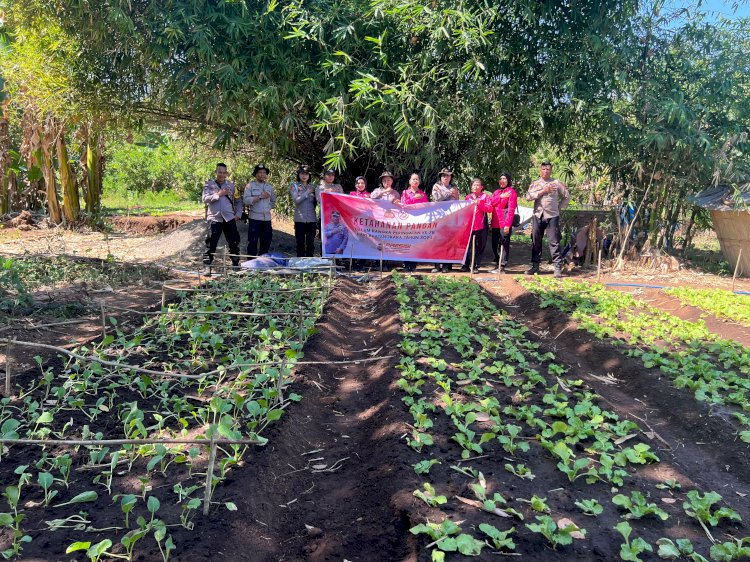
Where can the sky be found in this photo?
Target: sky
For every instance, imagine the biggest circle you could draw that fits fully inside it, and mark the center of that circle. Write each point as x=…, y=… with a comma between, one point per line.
x=725, y=7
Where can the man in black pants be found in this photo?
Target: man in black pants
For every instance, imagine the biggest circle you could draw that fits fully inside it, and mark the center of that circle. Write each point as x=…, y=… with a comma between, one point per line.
x=550, y=196
x=222, y=215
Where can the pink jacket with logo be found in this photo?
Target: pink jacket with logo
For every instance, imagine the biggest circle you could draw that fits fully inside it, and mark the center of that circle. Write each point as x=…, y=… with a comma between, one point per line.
x=410, y=198
x=504, y=204
x=364, y=194
x=484, y=205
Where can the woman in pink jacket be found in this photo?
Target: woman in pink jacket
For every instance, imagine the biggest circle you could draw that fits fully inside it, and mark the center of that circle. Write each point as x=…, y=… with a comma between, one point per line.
x=504, y=203
x=479, y=227
x=411, y=196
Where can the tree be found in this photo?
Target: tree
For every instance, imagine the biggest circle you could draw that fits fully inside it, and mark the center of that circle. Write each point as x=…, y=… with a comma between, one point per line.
x=355, y=84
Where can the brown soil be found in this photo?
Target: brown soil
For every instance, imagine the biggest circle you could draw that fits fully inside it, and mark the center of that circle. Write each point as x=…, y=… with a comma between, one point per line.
x=350, y=421
x=700, y=439
x=147, y=224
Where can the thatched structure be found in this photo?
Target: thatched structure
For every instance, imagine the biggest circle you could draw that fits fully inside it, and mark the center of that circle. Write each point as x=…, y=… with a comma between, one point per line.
x=730, y=213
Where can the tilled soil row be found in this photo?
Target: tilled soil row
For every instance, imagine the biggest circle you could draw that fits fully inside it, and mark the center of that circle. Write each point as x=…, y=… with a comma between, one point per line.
x=698, y=438
x=335, y=481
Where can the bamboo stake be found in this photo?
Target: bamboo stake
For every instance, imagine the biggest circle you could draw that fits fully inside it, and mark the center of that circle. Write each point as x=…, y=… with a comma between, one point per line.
x=224, y=260
x=209, y=475
x=104, y=320
x=736, y=268
x=381, y=261
x=223, y=290
x=500, y=263
x=207, y=313
x=8, y=350
x=163, y=296
x=599, y=267
x=301, y=324
x=473, y=252
x=108, y=442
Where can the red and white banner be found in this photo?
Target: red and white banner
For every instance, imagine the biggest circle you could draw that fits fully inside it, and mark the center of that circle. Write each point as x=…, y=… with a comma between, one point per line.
x=355, y=227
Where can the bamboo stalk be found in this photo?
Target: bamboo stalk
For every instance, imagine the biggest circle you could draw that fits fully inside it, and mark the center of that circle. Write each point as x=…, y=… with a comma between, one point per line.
x=223, y=290
x=8, y=350
x=500, y=262
x=473, y=252
x=208, y=313
x=736, y=269
x=599, y=266
x=301, y=324
x=209, y=476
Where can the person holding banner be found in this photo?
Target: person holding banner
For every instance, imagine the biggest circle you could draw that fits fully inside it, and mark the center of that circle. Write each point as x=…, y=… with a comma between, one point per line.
x=360, y=188
x=305, y=221
x=411, y=196
x=386, y=191
x=444, y=190
x=260, y=198
x=504, y=204
x=327, y=185
x=479, y=225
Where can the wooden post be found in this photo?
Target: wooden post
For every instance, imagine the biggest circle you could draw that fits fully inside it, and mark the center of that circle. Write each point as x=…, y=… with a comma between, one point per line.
x=473, y=252
x=330, y=273
x=381, y=261
x=736, y=269
x=301, y=324
x=163, y=296
x=280, y=383
x=224, y=259
x=104, y=320
x=500, y=262
x=599, y=266
x=8, y=350
x=210, y=473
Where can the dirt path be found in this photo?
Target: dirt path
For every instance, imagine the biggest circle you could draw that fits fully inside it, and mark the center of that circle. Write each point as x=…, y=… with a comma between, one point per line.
x=699, y=439
x=336, y=463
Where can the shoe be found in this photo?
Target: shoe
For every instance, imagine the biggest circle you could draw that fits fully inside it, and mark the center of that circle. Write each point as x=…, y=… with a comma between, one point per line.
x=208, y=259
x=558, y=273
x=436, y=270
x=464, y=268
x=447, y=268
x=476, y=270
x=497, y=270
x=502, y=270
x=533, y=270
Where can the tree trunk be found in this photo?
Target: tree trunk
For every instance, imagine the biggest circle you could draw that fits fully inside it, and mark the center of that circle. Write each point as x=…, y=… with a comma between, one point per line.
x=48, y=170
x=6, y=174
x=94, y=173
x=71, y=201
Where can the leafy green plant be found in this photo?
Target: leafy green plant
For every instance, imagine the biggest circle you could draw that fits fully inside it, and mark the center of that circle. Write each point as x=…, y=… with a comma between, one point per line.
x=702, y=509
x=590, y=507
x=520, y=470
x=638, y=507
x=631, y=549
x=423, y=467
x=555, y=535
x=429, y=496
x=679, y=548
x=499, y=540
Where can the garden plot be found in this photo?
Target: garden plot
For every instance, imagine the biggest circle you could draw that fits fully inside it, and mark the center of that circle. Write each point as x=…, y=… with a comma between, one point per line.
x=212, y=374
x=725, y=305
x=715, y=369
x=520, y=456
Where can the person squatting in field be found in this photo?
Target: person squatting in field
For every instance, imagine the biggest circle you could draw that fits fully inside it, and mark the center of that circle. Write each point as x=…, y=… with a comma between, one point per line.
x=222, y=214
x=260, y=198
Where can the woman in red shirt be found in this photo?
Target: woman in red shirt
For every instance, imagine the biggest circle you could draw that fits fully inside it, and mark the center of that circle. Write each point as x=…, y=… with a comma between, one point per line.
x=504, y=204
x=479, y=227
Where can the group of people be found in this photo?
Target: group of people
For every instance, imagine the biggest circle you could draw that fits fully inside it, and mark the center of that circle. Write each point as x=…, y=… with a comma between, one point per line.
x=550, y=196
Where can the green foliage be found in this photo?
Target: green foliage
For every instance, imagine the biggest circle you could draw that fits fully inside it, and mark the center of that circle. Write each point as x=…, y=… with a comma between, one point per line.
x=721, y=303
x=631, y=549
x=547, y=527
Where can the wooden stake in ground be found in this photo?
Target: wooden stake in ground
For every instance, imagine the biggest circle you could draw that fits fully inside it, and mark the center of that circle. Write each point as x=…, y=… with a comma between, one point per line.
x=381, y=260
x=599, y=266
x=301, y=324
x=500, y=263
x=104, y=319
x=8, y=350
x=209, y=474
x=736, y=268
x=473, y=253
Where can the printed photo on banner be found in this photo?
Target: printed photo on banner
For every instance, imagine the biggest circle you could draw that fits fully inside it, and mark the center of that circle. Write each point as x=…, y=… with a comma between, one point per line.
x=360, y=228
